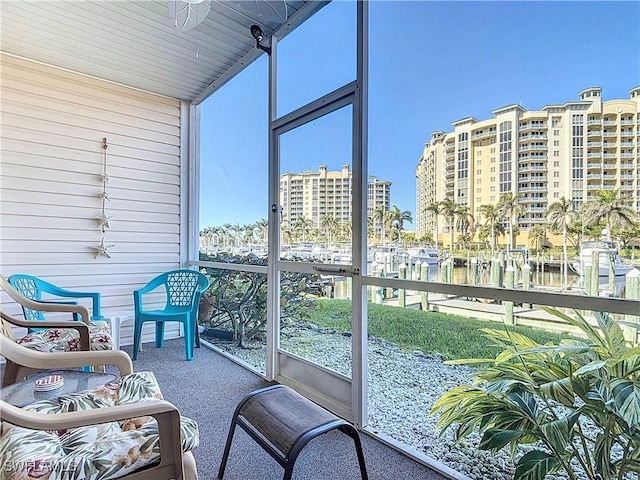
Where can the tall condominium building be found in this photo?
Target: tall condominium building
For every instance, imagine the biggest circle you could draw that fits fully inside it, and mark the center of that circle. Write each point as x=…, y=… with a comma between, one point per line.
x=571, y=150
x=314, y=195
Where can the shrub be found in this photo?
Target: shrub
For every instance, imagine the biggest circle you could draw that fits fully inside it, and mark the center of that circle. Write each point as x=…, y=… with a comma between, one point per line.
x=577, y=403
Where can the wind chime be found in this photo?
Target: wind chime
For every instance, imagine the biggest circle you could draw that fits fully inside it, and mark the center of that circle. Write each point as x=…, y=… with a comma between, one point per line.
x=102, y=250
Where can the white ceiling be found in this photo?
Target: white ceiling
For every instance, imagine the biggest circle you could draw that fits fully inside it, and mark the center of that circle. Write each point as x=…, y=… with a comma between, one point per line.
x=135, y=43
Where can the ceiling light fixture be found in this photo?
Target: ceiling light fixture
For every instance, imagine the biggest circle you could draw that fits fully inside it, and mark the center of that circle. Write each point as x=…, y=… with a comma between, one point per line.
x=258, y=34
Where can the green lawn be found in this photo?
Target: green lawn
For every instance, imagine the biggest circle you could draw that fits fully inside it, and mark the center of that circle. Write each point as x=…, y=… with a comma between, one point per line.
x=431, y=332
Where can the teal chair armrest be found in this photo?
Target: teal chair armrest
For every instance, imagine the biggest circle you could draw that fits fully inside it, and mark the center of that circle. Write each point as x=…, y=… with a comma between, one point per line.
x=33, y=288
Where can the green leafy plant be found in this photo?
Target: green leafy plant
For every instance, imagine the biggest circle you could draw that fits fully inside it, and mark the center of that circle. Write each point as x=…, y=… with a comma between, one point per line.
x=576, y=404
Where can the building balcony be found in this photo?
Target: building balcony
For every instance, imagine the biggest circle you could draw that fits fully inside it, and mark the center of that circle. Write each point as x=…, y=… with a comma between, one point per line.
x=627, y=133
x=608, y=122
x=531, y=157
x=528, y=126
x=627, y=122
x=594, y=144
x=532, y=136
x=526, y=148
x=610, y=134
x=532, y=188
x=532, y=168
x=594, y=122
x=627, y=165
x=483, y=134
x=594, y=133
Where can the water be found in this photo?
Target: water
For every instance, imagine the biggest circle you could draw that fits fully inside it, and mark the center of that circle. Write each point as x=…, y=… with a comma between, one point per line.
x=549, y=279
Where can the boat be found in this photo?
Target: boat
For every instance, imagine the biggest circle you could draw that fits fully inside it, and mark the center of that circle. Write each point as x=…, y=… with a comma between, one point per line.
x=608, y=256
x=429, y=255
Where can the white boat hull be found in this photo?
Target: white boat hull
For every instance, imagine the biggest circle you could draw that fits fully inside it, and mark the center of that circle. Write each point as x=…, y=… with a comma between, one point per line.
x=603, y=271
x=608, y=258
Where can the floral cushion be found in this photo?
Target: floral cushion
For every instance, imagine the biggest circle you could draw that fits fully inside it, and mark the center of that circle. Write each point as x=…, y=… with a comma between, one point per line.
x=68, y=339
x=103, y=451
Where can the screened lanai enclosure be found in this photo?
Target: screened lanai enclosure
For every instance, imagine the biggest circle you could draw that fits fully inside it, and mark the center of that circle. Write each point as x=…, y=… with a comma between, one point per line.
x=144, y=136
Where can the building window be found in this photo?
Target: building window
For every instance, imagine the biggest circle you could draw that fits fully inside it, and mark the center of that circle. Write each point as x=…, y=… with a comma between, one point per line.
x=493, y=169
x=556, y=184
x=556, y=132
x=556, y=153
x=556, y=163
x=478, y=181
x=556, y=174
x=556, y=143
x=556, y=194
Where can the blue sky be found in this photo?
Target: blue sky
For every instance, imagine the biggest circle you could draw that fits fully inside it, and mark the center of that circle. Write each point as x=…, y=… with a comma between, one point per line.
x=431, y=63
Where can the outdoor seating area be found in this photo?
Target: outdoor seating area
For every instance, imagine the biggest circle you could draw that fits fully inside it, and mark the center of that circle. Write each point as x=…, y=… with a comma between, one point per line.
x=208, y=417
x=108, y=432
x=227, y=213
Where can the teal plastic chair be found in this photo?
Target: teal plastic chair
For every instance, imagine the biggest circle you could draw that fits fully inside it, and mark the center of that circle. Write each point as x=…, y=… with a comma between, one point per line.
x=34, y=288
x=183, y=289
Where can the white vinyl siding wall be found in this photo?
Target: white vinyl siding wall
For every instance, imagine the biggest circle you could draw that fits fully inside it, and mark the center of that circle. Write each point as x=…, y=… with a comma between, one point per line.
x=52, y=125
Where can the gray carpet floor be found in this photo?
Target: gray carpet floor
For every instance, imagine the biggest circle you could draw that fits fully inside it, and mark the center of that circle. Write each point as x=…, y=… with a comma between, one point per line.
x=208, y=389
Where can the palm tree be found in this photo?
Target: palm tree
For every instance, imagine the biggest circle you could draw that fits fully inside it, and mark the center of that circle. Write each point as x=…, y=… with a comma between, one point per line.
x=397, y=219
x=611, y=208
x=491, y=219
x=263, y=230
x=510, y=209
x=286, y=232
x=448, y=210
x=464, y=219
x=302, y=226
x=561, y=214
x=435, y=209
x=537, y=234
x=329, y=223
x=379, y=217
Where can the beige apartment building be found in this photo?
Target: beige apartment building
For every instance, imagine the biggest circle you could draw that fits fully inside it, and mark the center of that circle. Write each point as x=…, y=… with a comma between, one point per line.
x=571, y=150
x=314, y=195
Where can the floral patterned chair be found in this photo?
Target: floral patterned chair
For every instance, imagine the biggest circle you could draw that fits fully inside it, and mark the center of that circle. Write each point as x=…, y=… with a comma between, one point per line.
x=121, y=430
x=52, y=335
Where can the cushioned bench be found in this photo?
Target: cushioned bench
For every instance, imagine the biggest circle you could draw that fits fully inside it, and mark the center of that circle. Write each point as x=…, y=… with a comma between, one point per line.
x=282, y=422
